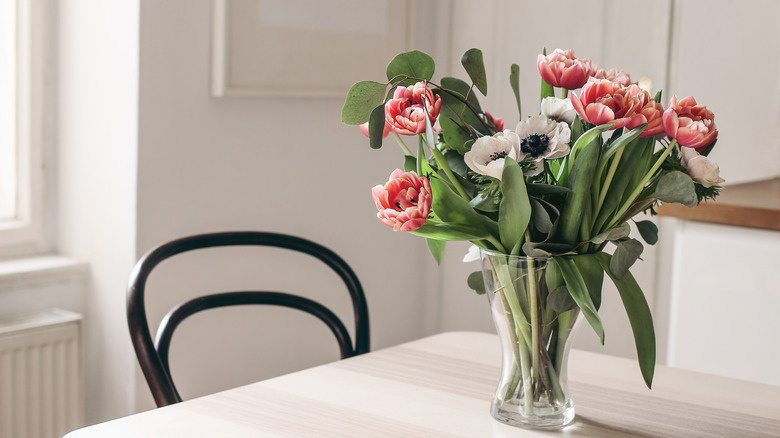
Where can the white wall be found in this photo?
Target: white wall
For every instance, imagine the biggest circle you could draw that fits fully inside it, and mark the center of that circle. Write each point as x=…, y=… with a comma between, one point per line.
x=275, y=164
x=96, y=182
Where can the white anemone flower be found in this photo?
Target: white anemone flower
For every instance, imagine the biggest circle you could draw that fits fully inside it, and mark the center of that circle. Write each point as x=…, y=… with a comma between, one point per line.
x=487, y=154
x=558, y=109
x=542, y=139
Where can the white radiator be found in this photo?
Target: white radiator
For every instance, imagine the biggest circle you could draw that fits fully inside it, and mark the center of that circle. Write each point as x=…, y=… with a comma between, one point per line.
x=41, y=384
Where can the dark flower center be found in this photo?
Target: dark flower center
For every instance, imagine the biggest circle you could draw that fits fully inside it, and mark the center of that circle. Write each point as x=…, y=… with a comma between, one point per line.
x=496, y=156
x=534, y=144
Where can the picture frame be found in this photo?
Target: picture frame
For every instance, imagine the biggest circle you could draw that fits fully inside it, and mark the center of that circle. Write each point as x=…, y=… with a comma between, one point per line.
x=266, y=48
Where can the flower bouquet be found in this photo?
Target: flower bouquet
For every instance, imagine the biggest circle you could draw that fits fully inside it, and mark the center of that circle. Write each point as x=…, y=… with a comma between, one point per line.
x=541, y=202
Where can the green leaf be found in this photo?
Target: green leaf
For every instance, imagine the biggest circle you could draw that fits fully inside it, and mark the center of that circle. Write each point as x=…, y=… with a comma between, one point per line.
x=539, y=217
x=593, y=275
x=545, y=249
x=462, y=89
x=616, y=233
x=475, y=67
x=437, y=249
x=514, y=211
x=677, y=188
x=361, y=99
x=415, y=64
x=560, y=300
x=629, y=162
x=447, y=231
x=476, y=282
x=580, y=180
x=483, y=203
x=514, y=82
x=587, y=138
x=376, y=126
x=638, y=315
x=410, y=164
x=648, y=230
x=455, y=135
x=579, y=291
x=546, y=189
x=547, y=89
x=709, y=148
x=625, y=255
x=453, y=209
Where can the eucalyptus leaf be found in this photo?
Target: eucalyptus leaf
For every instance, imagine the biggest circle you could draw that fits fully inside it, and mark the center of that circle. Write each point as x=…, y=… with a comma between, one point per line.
x=616, y=233
x=677, y=188
x=639, y=316
x=648, y=230
x=514, y=82
x=436, y=247
x=361, y=99
x=579, y=291
x=475, y=67
x=626, y=254
x=476, y=282
x=456, y=136
x=415, y=64
x=376, y=126
x=539, y=217
x=462, y=89
x=560, y=300
x=514, y=211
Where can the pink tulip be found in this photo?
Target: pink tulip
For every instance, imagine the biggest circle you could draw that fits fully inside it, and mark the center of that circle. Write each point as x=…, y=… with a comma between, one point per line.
x=404, y=202
x=692, y=125
x=650, y=112
x=561, y=69
x=498, y=122
x=614, y=75
x=388, y=129
x=405, y=112
x=603, y=101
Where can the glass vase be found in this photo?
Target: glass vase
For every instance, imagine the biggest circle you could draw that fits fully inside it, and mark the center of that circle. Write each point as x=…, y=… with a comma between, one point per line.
x=533, y=390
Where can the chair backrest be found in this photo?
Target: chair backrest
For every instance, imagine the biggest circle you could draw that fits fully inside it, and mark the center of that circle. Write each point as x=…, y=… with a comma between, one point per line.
x=153, y=356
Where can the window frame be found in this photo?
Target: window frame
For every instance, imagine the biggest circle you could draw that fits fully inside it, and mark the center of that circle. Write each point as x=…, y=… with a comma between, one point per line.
x=25, y=234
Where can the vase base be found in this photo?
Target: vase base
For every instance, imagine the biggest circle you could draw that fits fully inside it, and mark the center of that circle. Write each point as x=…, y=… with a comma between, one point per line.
x=517, y=418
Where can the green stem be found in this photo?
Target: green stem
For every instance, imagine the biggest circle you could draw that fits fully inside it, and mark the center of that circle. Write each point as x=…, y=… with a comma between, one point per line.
x=642, y=183
x=402, y=144
x=533, y=309
x=443, y=165
x=564, y=93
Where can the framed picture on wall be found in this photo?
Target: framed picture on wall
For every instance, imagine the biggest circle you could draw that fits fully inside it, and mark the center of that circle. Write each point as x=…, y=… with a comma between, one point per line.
x=304, y=48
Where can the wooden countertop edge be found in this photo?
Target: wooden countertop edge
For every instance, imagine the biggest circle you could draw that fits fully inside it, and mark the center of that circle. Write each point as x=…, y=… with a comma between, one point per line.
x=728, y=214
x=754, y=204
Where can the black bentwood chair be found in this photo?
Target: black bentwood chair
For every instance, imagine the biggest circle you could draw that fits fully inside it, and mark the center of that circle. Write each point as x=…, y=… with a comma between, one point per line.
x=153, y=356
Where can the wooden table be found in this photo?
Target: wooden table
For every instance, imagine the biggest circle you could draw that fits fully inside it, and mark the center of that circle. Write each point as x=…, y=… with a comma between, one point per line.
x=441, y=387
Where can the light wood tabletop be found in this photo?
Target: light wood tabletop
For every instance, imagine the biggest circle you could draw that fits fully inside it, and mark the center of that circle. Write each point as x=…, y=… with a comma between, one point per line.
x=441, y=386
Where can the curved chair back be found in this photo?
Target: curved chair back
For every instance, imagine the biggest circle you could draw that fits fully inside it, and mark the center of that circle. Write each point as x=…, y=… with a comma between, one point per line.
x=153, y=356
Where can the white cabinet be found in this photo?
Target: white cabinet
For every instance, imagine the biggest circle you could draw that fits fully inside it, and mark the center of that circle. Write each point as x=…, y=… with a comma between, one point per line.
x=719, y=303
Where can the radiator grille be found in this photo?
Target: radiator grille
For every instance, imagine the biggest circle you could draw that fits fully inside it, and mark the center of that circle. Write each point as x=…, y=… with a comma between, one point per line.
x=41, y=393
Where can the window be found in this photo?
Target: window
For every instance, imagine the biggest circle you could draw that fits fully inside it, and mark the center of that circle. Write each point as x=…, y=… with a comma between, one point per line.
x=21, y=89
